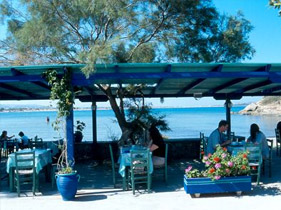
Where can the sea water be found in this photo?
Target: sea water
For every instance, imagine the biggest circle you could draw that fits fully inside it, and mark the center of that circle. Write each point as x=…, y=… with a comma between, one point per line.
x=184, y=122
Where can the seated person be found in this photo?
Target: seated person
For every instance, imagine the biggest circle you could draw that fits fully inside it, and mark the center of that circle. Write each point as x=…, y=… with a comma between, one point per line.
x=157, y=146
x=257, y=137
x=278, y=127
x=217, y=137
x=24, y=140
x=4, y=136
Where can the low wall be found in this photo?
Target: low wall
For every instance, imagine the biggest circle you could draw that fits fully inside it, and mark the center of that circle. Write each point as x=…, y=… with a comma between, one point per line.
x=186, y=148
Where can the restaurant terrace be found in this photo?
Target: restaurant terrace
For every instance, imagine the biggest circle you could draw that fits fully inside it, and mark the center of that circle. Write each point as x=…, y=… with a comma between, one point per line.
x=222, y=81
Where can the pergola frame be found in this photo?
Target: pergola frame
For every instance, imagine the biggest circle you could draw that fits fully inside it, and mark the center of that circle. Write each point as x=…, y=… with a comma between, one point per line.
x=222, y=81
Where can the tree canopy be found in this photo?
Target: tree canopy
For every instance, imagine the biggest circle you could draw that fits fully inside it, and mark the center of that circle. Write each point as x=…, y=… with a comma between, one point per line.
x=276, y=4
x=102, y=31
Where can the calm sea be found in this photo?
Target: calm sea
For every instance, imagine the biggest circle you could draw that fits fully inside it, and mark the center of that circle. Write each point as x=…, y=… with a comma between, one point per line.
x=184, y=122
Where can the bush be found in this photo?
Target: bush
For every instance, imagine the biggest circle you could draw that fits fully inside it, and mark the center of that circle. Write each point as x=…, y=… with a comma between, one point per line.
x=221, y=164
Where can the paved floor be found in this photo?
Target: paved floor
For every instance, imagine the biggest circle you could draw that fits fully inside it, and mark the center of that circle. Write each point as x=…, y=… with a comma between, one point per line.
x=96, y=192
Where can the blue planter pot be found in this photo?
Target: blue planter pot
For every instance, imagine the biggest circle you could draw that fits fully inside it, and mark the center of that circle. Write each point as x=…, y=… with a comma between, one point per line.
x=198, y=186
x=67, y=185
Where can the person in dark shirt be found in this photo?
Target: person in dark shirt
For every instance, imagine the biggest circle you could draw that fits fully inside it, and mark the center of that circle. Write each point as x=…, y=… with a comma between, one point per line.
x=157, y=147
x=278, y=127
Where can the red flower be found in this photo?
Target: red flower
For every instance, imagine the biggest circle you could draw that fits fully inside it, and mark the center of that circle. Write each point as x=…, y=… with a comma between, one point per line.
x=217, y=159
x=254, y=167
x=202, y=153
x=244, y=155
x=243, y=167
x=224, y=149
x=212, y=170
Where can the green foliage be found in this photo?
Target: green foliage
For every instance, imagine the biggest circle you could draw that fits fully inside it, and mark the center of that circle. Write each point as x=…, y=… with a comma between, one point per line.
x=61, y=89
x=222, y=39
x=140, y=117
x=66, y=170
x=276, y=4
x=102, y=31
x=195, y=173
x=221, y=164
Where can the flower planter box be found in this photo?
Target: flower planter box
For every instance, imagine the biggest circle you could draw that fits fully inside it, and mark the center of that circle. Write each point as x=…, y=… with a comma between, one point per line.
x=198, y=186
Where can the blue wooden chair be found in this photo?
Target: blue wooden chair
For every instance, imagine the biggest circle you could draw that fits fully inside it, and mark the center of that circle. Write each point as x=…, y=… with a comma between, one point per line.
x=25, y=170
x=113, y=165
x=255, y=159
x=139, y=170
x=202, y=145
x=37, y=143
x=268, y=161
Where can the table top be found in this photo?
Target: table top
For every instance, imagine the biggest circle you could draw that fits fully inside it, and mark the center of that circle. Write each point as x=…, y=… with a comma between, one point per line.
x=42, y=158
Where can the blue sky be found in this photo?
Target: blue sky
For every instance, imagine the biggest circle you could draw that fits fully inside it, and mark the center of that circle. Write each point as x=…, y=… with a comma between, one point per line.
x=266, y=34
x=265, y=38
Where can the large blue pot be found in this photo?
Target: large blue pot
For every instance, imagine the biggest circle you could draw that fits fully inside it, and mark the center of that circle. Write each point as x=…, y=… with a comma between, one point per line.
x=67, y=185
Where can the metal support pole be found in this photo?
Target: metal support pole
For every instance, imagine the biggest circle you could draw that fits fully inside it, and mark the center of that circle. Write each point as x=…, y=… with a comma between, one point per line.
x=94, y=121
x=228, y=106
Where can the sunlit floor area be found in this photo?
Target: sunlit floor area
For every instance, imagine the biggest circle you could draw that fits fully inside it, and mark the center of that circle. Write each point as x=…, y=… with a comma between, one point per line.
x=96, y=191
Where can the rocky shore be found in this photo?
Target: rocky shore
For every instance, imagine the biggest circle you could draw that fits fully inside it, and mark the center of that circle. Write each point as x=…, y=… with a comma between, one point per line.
x=267, y=106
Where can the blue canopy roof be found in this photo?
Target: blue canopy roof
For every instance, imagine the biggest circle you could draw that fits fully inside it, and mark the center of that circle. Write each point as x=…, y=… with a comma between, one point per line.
x=218, y=80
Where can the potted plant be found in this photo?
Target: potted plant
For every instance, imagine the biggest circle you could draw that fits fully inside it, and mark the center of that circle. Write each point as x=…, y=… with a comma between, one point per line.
x=66, y=178
x=78, y=135
x=223, y=173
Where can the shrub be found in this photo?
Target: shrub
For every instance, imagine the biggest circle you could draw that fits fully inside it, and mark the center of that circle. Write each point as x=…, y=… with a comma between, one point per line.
x=221, y=164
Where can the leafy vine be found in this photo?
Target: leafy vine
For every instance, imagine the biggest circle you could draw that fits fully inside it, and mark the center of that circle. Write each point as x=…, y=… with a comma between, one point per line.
x=61, y=89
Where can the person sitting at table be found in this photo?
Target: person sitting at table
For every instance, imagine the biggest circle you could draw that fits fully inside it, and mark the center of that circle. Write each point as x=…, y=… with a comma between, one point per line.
x=257, y=137
x=217, y=137
x=4, y=136
x=24, y=140
x=278, y=127
x=157, y=146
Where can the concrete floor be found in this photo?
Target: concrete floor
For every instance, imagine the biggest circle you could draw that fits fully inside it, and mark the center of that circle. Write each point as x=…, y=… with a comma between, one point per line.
x=97, y=192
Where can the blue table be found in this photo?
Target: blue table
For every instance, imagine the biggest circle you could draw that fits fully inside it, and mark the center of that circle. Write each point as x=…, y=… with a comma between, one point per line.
x=235, y=147
x=43, y=158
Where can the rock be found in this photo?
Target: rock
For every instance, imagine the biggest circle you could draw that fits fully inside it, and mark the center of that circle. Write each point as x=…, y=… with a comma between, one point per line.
x=263, y=107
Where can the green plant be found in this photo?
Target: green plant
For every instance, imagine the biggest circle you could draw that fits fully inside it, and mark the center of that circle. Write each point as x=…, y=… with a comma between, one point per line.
x=221, y=164
x=61, y=90
x=194, y=173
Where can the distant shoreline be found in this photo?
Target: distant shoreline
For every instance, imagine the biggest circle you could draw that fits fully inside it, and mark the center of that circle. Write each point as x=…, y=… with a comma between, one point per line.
x=3, y=110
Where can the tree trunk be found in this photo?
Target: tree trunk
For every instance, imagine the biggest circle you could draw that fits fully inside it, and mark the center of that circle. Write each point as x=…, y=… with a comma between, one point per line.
x=125, y=127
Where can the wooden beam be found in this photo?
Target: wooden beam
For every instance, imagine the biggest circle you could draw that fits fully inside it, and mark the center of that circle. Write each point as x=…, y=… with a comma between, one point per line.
x=160, y=81
x=198, y=81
